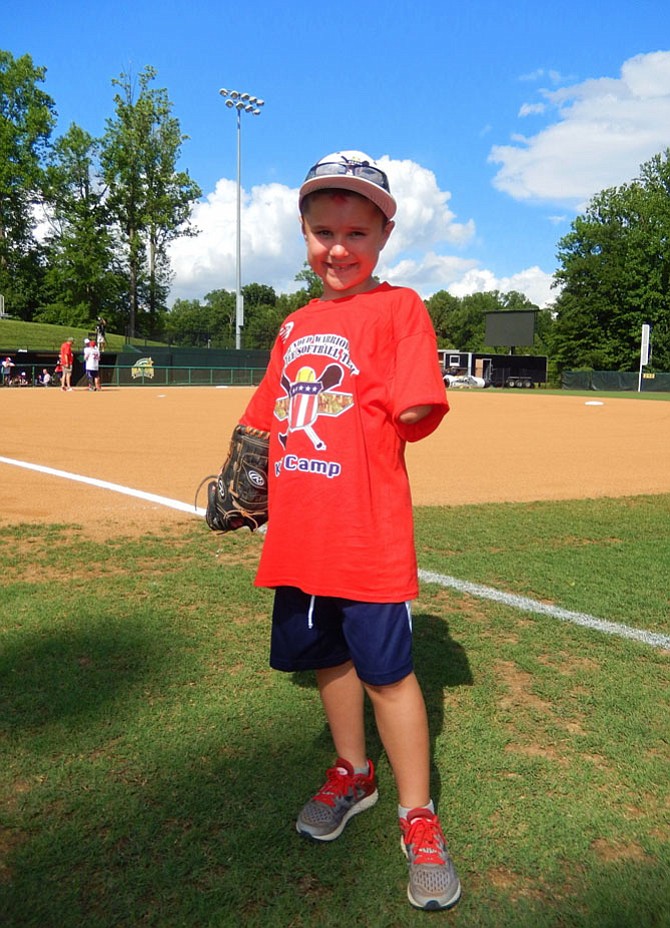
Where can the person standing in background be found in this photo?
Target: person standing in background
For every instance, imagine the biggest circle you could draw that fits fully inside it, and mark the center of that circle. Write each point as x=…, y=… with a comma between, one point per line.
x=101, y=333
x=92, y=364
x=7, y=366
x=66, y=360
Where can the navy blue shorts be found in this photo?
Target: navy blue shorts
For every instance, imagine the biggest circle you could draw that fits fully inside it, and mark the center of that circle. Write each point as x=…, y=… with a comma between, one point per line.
x=314, y=632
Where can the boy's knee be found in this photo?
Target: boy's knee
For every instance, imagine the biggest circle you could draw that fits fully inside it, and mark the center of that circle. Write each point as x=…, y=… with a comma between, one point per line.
x=389, y=690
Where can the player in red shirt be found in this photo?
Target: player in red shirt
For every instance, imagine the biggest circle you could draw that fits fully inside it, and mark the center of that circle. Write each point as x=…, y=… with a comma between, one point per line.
x=66, y=361
x=352, y=377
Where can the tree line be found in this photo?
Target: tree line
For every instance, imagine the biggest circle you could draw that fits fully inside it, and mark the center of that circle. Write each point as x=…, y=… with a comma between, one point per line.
x=85, y=225
x=85, y=222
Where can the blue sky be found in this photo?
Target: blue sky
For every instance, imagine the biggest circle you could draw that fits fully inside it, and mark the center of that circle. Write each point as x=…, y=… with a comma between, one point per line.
x=496, y=122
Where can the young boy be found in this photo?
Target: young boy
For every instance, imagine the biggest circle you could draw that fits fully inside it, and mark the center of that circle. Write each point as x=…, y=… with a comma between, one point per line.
x=352, y=377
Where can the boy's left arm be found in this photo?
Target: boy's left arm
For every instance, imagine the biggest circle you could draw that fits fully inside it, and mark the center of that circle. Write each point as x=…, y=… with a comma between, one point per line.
x=419, y=397
x=414, y=414
x=416, y=422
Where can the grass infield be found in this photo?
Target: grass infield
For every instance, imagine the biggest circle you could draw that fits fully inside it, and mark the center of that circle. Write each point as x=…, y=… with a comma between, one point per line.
x=152, y=764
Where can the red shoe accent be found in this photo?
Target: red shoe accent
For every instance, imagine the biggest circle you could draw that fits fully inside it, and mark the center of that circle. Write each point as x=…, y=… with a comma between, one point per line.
x=422, y=833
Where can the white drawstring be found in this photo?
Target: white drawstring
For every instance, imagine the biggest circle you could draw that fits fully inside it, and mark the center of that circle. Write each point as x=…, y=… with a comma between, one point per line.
x=310, y=613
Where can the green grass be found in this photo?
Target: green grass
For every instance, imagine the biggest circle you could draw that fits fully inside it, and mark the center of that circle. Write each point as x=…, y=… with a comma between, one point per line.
x=593, y=394
x=36, y=336
x=152, y=765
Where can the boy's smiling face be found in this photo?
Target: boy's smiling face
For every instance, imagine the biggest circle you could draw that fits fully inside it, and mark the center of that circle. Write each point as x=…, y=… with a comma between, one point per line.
x=344, y=234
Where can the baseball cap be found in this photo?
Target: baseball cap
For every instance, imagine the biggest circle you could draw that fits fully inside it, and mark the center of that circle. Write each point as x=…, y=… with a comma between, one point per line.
x=351, y=170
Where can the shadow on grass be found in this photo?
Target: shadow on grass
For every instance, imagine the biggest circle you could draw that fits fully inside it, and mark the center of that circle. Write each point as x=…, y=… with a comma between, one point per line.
x=194, y=825
x=441, y=664
x=74, y=672
x=192, y=838
x=199, y=830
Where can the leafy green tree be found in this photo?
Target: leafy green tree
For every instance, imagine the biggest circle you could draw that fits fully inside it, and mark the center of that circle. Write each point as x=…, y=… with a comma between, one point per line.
x=187, y=324
x=149, y=201
x=615, y=271
x=460, y=321
x=544, y=323
x=27, y=118
x=220, y=305
x=441, y=306
x=468, y=324
x=258, y=295
x=262, y=326
x=262, y=317
x=193, y=323
x=287, y=303
x=314, y=287
x=80, y=281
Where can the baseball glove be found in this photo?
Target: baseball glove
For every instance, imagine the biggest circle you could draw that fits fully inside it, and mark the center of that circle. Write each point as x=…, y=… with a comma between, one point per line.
x=239, y=495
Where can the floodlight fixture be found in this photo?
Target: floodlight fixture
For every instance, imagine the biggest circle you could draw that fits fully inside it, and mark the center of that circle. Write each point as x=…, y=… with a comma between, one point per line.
x=241, y=102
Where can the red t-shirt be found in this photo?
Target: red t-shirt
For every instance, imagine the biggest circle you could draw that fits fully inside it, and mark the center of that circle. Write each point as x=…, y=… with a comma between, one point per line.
x=66, y=355
x=340, y=510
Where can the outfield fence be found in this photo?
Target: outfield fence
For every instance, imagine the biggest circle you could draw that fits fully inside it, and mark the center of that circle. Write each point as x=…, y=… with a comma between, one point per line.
x=144, y=376
x=172, y=376
x=616, y=380
x=144, y=372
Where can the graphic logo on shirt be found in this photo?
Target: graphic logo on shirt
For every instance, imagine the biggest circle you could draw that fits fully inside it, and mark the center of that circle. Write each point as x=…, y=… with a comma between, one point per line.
x=286, y=330
x=327, y=344
x=309, y=397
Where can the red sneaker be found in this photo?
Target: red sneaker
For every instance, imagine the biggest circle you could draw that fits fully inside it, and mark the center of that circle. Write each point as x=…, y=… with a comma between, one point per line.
x=433, y=881
x=343, y=795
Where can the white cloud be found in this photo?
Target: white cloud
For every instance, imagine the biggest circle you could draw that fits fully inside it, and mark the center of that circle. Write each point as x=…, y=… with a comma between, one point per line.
x=605, y=129
x=423, y=218
x=551, y=74
x=532, y=109
x=273, y=250
x=533, y=282
x=419, y=253
x=272, y=247
x=428, y=274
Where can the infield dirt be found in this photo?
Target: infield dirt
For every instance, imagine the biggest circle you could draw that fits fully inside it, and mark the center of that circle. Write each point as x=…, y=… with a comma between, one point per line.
x=492, y=447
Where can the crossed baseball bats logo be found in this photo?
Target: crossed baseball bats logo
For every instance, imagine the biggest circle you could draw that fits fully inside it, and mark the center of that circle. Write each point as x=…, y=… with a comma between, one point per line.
x=303, y=396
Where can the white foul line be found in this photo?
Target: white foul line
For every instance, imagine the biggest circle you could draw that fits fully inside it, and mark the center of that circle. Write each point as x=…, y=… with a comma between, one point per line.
x=532, y=605
x=106, y=485
x=464, y=586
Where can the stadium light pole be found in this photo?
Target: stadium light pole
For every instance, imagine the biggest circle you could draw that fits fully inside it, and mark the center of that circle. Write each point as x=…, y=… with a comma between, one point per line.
x=241, y=103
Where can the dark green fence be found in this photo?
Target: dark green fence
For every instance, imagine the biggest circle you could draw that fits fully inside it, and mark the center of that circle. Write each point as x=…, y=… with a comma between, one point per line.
x=29, y=375
x=615, y=380
x=157, y=376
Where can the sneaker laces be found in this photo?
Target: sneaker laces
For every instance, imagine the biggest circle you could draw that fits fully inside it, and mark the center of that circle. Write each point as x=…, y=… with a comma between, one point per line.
x=425, y=836
x=339, y=781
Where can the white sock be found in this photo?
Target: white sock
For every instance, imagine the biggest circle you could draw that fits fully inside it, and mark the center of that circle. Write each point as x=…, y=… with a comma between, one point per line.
x=403, y=811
